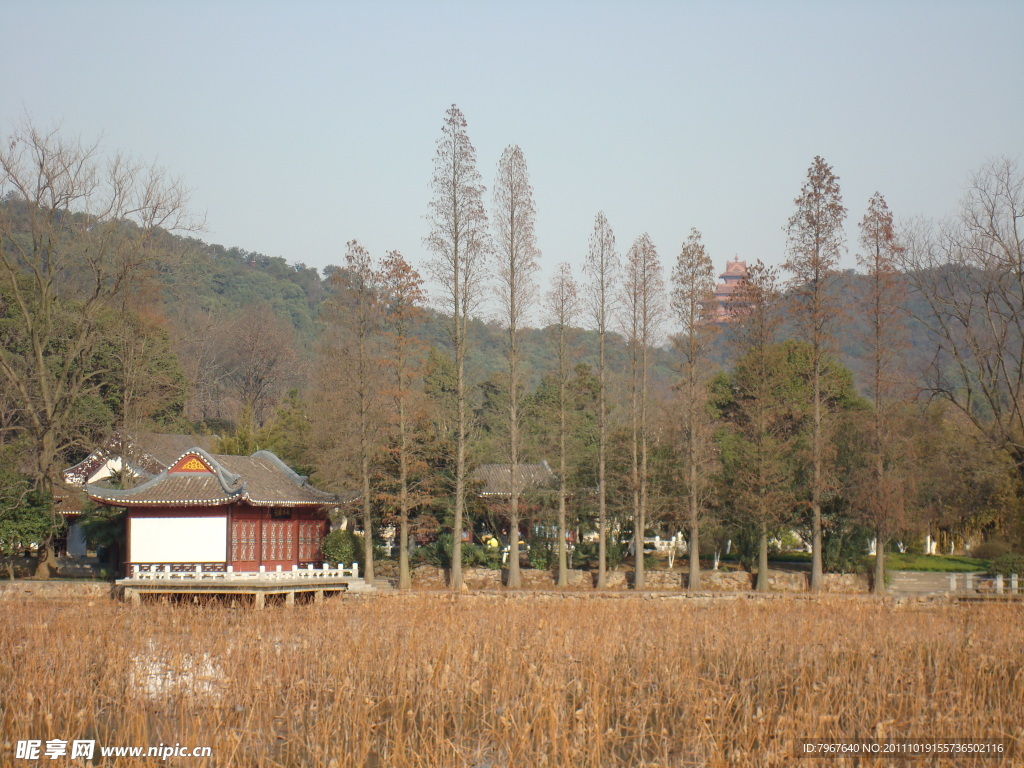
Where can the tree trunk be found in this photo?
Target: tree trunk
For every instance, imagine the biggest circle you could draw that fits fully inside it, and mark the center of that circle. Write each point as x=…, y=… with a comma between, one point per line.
x=46, y=565
x=762, y=560
x=817, y=571
x=602, y=509
x=460, y=467
x=878, y=587
x=563, y=564
x=367, y=523
x=404, y=577
x=693, y=581
x=694, y=572
x=514, y=581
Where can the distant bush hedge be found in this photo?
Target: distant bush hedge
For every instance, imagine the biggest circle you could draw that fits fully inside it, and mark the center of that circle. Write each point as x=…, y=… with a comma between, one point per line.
x=1008, y=565
x=990, y=550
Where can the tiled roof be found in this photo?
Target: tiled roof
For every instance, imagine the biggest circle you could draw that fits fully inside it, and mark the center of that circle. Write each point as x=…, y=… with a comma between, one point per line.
x=69, y=504
x=148, y=453
x=496, y=479
x=262, y=480
x=167, y=449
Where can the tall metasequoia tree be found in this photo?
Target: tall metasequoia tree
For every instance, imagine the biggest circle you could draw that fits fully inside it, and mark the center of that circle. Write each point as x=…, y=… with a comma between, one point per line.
x=77, y=232
x=969, y=272
x=356, y=316
x=643, y=302
x=458, y=238
x=562, y=309
x=516, y=252
x=882, y=306
x=760, y=478
x=815, y=241
x=402, y=289
x=602, y=266
x=693, y=291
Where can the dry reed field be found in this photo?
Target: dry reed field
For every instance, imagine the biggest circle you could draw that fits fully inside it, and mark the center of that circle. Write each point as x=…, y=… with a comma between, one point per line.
x=434, y=680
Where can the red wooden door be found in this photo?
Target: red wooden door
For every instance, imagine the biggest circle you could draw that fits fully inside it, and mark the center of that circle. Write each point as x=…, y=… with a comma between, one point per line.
x=245, y=549
x=311, y=533
x=278, y=544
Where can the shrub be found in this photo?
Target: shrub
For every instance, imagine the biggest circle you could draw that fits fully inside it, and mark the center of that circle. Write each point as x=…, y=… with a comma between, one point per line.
x=1007, y=565
x=438, y=553
x=342, y=546
x=615, y=552
x=914, y=546
x=844, y=552
x=542, y=555
x=477, y=556
x=990, y=550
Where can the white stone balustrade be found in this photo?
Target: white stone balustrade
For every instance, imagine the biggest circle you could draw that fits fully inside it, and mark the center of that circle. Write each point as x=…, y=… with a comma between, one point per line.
x=995, y=585
x=196, y=571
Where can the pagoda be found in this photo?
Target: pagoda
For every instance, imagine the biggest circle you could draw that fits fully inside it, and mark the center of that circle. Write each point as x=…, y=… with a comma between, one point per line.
x=730, y=281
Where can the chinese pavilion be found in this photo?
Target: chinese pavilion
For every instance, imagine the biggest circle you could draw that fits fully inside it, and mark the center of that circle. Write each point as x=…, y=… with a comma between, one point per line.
x=214, y=511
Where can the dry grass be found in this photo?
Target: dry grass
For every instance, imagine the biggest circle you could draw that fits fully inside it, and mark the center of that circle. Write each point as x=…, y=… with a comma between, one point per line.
x=429, y=680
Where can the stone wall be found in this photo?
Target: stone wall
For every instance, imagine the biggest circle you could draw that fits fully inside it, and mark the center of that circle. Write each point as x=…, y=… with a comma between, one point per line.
x=722, y=581
x=22, y=566
x=428, y=577
x=846, y=582
x=54, y=590
x=780, y=581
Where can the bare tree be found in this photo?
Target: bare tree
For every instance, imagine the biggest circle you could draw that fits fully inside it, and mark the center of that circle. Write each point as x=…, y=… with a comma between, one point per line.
x=458, y=238
x=354, y=374
x=969, y=272
x=882, y=490
x=562, y=309
x=516, y=252
x=693, y=293
x=815, y=241
x=602, y=266
x=258, y=359
x=78, y=231
x=403, y=300
x=643, y=302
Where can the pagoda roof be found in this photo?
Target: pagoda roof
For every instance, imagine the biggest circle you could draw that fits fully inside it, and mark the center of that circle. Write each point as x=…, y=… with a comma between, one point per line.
x=146, y=453
x=734, y=269
x=496, y=479
x=201, y=479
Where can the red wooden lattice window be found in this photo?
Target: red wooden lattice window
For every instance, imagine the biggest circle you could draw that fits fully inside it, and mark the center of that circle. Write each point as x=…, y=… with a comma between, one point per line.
x=277, y=540
x=243, y=541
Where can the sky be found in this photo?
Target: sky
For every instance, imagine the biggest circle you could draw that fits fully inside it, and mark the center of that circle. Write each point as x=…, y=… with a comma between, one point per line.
x=299, y=126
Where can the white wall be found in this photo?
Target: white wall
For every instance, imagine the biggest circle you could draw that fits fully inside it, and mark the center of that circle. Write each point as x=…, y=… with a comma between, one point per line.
x=179, y=539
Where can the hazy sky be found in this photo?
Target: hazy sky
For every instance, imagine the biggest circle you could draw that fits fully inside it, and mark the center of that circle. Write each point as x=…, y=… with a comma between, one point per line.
x=302, y=125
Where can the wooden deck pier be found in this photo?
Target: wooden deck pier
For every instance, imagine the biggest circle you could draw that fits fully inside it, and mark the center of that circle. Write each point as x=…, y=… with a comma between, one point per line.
x=178, y=579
